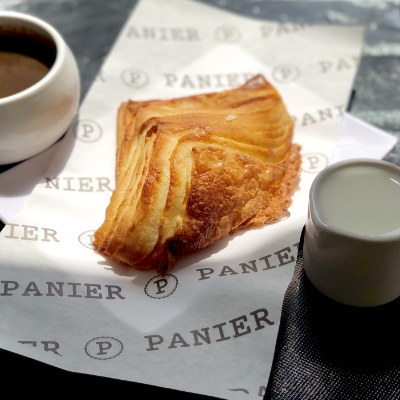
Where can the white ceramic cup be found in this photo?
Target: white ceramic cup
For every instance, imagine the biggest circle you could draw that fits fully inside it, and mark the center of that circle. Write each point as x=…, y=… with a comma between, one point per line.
x=34, y=119
x=351, y=246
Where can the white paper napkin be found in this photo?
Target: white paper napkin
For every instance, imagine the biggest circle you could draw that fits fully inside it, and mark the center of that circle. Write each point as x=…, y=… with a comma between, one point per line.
x=210, y=326
x=357, y=139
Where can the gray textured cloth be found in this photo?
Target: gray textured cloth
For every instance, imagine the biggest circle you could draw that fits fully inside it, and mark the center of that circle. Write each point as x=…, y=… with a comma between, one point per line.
x=327, y=350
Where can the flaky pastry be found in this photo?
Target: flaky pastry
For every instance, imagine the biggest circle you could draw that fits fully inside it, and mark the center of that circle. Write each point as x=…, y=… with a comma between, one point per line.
x=192, y=170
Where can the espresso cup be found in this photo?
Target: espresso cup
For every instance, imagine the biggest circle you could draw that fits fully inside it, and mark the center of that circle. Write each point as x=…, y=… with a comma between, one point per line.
x=351, y=246
x=39, y=86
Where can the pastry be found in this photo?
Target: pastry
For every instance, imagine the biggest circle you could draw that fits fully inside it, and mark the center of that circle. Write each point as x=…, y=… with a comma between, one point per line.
x=192, y=170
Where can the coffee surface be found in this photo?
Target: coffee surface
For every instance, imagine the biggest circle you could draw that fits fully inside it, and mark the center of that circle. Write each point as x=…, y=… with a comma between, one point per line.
x=25, y=58
x=19, y=72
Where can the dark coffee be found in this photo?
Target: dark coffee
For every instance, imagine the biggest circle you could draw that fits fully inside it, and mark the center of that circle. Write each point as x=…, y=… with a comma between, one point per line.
x=25, y=58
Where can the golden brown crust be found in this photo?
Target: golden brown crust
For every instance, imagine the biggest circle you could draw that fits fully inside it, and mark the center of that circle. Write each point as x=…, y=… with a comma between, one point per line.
x=192, y=170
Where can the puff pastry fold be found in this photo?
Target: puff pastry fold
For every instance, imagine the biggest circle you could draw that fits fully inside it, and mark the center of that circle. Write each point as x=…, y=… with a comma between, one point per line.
x=192, y=170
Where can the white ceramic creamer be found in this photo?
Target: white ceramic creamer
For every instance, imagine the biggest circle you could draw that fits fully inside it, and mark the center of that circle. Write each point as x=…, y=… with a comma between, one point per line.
x=352, y=239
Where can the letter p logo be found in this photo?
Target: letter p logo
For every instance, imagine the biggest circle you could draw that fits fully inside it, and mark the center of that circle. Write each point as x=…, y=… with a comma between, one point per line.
x=285, y=73
x=159, y=287
x=161, y=283
x=314, y=162
x=104, y=348
x=87, y=131
x=228, y=34
x=134, y=78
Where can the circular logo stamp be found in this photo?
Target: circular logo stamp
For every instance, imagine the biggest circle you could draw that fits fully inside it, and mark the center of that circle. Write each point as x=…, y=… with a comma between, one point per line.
x=87, y=131
x=228, y=34
x=104, y=348
x=86, y=239
x=285, y=73
x=159, y=287
x=134, y=78
x=314, y=162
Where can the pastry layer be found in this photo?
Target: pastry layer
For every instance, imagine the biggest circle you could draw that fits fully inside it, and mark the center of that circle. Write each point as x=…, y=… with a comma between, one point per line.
x=192, y=170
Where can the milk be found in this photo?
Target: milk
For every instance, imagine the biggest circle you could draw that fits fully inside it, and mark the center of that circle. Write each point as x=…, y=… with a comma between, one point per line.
x=360, y=199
